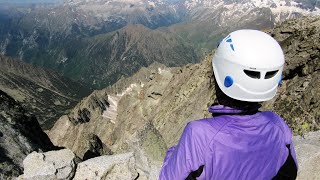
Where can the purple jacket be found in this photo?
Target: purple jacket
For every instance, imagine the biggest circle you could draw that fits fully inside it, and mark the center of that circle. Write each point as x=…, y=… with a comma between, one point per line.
x=230, y=147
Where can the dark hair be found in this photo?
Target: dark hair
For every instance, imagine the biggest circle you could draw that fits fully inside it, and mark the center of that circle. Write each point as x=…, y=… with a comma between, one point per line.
x=223, y=99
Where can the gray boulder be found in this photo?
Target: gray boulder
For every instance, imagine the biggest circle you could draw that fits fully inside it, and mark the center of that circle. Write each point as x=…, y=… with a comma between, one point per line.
x=308, y=155
x=50, y=165
x=121, y=166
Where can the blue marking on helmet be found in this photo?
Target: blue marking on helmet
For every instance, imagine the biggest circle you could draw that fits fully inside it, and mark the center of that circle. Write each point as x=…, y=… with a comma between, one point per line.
x=228, y=81
x=229, y=40
x=231, y=45
x=280, y=81
x=228, y=36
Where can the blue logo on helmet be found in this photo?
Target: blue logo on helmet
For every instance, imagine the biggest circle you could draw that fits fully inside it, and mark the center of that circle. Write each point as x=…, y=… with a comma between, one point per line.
x=229, y=40
x=228, y=81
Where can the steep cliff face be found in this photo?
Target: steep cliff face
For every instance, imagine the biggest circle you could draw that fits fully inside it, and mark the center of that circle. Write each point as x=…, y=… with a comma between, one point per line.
x=20, y=134
x=148, y=114
x=44, y=93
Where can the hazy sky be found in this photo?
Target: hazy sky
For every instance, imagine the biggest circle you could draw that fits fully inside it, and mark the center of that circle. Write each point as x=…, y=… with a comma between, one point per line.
x=28, y=1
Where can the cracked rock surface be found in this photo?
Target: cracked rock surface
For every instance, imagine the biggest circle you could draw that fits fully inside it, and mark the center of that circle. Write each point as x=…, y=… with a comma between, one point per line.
x=308, y=155
x=107, y=167
x=50, y=165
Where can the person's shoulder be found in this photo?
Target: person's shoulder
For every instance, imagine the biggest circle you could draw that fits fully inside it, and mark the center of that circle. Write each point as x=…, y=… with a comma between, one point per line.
x=281, y=123
x=198, y=124
x=275, y=118
x=201, y=130
x=212, y=124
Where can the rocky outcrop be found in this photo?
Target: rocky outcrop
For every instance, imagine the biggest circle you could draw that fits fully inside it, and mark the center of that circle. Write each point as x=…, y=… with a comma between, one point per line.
x=114, y=167
x=20, y=134
x=50, y=165
x=44, y=93
x=299, y=96
x=90, y=108
x=61, y=164
x=86, y=119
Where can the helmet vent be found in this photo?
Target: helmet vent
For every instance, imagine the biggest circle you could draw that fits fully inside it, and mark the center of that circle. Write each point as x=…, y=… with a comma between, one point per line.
x=270, y=74
x=252, y=74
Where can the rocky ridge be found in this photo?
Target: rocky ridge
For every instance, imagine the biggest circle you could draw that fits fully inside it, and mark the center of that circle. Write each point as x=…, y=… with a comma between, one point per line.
x=98, y=108
x=44, y=93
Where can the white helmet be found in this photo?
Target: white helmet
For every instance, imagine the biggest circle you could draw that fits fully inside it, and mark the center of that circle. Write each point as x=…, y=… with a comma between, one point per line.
x=248, y=65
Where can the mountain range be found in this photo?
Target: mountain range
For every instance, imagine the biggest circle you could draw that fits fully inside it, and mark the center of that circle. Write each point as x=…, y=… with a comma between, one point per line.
x=79, y=38
x=145, y=100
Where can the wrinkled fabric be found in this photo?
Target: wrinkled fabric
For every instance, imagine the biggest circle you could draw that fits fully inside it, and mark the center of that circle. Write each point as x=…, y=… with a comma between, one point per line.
x=230, y=146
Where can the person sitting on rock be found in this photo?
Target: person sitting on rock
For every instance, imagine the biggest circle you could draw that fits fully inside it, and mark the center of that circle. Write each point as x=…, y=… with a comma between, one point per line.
x=239, y=141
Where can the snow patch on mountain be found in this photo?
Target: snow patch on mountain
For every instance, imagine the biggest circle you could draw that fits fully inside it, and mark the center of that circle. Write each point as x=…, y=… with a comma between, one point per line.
x=280, y=8
x=111, y=112
x=128, y=90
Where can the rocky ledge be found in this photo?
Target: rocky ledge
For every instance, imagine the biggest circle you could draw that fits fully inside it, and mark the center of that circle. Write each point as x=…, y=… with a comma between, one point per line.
x=62, y=164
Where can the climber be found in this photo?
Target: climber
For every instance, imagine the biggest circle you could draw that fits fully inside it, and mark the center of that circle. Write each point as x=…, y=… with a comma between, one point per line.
x=239, y=141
